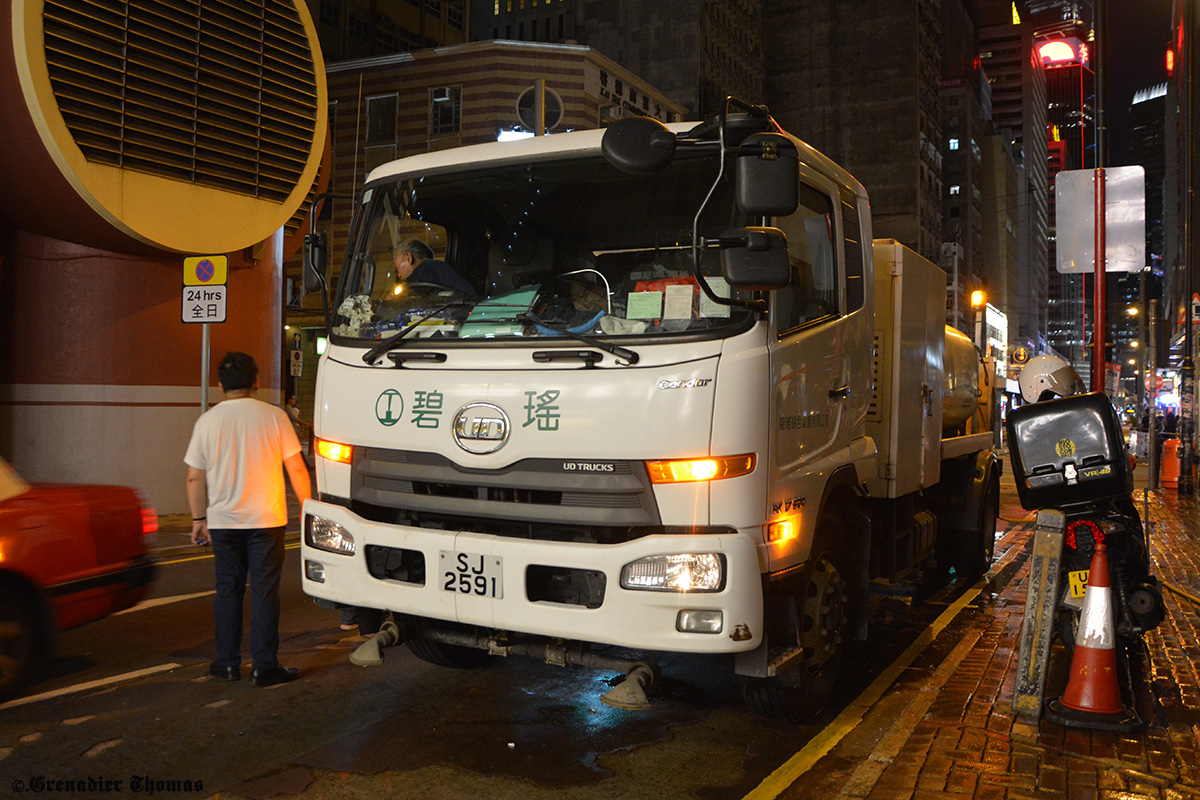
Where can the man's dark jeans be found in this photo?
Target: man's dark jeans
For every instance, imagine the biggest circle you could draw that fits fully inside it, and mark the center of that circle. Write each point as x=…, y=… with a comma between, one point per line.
x=238, y=553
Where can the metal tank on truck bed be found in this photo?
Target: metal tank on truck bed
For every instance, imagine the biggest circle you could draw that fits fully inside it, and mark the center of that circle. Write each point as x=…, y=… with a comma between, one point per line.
x=653, y=422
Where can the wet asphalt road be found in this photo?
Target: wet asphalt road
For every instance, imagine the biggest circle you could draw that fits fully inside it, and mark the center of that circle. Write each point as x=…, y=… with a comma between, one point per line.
x=406, y=728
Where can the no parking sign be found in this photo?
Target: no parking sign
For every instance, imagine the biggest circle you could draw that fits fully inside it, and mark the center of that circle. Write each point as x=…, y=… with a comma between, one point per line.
x=204, y=296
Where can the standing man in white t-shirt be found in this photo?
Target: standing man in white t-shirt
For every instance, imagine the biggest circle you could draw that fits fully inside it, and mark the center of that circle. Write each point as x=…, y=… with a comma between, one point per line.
x=236, y=460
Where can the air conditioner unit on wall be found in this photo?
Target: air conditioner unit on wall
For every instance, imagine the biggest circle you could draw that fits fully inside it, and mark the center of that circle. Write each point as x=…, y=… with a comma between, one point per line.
x=442, y=94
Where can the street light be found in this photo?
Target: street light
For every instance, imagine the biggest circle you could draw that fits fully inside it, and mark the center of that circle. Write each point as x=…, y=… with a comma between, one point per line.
x=978, y=302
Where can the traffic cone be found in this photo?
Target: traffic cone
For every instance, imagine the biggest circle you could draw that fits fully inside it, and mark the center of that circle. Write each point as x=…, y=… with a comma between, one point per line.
x=1093, y=695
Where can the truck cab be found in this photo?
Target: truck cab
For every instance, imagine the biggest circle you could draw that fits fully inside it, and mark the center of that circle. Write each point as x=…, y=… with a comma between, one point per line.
x=645, y=426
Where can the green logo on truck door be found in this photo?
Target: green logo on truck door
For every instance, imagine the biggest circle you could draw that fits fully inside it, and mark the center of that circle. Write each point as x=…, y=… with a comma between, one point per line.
x=389, y=407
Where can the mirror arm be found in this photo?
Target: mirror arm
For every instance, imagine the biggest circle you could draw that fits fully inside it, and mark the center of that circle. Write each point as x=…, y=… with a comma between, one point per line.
x=312, y=231
x=697, y=242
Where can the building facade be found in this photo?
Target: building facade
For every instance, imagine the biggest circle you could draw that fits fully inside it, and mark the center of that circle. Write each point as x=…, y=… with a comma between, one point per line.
x=875, y=110
x=1018, y=86
x=352, y=29
x=695, y=51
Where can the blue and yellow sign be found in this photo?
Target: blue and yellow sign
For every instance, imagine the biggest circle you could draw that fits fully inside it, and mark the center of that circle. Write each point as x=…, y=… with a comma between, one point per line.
x=205, y=271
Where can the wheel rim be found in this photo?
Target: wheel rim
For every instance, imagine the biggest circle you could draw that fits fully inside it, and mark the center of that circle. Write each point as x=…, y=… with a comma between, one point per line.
x=824, y=613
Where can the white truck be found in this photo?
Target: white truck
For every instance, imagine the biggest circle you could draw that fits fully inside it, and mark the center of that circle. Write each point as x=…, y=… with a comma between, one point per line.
x=690, y=407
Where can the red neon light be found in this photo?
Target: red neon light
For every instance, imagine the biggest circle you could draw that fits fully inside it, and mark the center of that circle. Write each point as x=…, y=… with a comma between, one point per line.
x=1170, y=62
x=1056, y=52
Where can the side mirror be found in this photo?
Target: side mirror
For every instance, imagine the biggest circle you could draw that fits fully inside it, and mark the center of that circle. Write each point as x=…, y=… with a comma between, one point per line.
x=768, y=175
x=316, y=255
x=638, y=145
x=755, y=259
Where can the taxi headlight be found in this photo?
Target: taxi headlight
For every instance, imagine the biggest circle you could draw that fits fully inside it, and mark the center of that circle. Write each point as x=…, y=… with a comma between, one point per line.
x=683, y=572
x=325, y=534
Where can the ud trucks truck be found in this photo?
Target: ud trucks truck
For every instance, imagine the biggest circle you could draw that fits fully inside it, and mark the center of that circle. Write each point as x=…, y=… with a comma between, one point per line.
x=689, y=407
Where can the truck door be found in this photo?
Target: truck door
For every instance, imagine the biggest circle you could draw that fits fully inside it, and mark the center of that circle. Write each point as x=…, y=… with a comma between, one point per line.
x=810, y=366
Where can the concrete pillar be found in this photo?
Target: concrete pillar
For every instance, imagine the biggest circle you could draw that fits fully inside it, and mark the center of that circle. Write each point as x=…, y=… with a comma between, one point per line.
x=100, y=380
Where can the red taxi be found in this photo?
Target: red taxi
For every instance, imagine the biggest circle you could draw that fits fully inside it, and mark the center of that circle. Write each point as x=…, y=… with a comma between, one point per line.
x=69, y=554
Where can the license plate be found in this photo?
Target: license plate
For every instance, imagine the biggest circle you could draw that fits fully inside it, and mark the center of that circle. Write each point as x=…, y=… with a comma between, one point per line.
x=1078, y=582
x=471, y=573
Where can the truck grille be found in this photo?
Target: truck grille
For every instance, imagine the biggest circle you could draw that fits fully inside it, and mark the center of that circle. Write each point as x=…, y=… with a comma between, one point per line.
x=533, y=498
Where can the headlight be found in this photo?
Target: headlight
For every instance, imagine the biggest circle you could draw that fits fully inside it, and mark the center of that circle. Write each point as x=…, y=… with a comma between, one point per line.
x=686, y=572
x=325, y=534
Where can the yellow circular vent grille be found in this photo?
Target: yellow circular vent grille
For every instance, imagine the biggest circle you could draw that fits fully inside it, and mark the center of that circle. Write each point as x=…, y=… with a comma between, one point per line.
x=218, y=94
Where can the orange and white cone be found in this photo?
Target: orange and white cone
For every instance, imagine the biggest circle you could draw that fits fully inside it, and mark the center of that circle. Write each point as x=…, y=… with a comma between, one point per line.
x=1093, y=695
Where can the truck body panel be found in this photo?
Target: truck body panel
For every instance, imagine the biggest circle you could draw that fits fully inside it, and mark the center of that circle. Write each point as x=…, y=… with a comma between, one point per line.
x=910, y=334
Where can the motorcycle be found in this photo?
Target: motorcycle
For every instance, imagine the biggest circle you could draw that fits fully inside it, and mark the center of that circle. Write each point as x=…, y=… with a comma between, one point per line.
x=1068, y=454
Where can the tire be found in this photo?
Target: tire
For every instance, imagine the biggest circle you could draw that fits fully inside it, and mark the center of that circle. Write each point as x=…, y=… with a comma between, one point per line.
x=1066, y=624
x=974, y=549
x=817, y=609
x=20, y=641
x=439, y=653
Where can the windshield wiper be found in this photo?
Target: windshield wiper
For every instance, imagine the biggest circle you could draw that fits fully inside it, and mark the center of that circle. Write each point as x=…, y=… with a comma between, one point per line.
x=390, y=342
x=630, y=357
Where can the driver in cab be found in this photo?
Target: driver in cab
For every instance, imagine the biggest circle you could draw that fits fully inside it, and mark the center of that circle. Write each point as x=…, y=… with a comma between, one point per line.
x=415, y=264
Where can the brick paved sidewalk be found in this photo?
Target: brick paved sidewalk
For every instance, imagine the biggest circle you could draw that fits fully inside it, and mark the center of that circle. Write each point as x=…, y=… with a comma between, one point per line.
x=953, y=733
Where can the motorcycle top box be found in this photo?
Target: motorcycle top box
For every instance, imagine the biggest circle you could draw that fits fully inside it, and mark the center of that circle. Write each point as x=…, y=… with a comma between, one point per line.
x=1067, y=451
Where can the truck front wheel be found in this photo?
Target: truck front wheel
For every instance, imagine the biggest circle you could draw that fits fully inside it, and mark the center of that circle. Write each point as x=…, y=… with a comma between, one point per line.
x=815, y=612
x=439, y=653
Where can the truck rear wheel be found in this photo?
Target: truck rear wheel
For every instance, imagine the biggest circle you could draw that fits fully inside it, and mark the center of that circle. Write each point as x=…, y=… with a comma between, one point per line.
x=817, y=610
x=439, y=653
x=974, y=549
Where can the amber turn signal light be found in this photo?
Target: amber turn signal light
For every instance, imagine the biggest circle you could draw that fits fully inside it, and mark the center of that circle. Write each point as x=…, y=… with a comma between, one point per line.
x=334, y=451
x=699, y=469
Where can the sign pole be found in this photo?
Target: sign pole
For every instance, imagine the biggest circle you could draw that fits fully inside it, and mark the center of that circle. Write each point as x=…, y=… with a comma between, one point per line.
x=1152, y=393
x=1099, y=295
x=204, y=356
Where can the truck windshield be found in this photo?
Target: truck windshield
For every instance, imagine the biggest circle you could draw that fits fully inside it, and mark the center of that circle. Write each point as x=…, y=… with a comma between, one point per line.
x=536, y=249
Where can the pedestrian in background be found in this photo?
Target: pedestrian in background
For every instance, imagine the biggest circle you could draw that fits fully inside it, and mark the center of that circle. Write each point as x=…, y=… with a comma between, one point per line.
x=236, y=459
x=303, y=429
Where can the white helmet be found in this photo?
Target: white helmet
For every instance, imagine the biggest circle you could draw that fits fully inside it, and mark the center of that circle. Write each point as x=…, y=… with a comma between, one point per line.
x=1051, y=374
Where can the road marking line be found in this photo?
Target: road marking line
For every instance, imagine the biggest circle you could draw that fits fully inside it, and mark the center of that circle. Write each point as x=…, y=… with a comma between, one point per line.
x=163, y=601
x=863, y=779
x=83, y=687
x=853, y=714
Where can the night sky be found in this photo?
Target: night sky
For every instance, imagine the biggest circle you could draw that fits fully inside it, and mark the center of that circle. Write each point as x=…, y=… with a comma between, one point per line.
x=1139, y=31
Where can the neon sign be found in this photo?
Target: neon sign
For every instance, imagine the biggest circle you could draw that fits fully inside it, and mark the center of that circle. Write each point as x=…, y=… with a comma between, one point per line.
x=1061, y=52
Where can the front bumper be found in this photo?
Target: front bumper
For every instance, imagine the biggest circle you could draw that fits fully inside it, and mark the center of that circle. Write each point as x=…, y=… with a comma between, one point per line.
x=645, y=620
